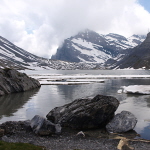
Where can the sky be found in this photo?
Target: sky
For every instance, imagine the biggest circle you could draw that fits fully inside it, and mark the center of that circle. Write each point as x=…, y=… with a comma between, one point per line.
x=40, y=26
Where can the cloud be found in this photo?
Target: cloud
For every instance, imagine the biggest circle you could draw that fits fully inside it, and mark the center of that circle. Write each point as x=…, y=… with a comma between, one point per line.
x=39, y=26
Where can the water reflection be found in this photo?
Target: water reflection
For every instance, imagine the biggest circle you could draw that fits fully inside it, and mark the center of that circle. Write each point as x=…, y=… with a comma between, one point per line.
x=11, y=103
x=138, y=105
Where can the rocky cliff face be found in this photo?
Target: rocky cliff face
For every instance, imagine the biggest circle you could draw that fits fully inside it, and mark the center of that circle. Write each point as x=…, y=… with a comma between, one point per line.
x=139, y=58
x=13, y=81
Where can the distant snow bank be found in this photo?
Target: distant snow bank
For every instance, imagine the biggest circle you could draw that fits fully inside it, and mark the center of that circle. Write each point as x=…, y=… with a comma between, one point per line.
x=135, y=89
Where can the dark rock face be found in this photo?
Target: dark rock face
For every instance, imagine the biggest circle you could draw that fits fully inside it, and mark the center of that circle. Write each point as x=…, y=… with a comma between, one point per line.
x=139, y=58
x=13, y=81
x=122, y=122
x=85, y=113
x=42, y=127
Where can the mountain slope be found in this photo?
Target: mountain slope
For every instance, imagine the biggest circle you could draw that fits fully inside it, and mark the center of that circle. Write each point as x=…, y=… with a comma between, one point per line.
x=139, y=58
x=89, y=46
x=12, y=56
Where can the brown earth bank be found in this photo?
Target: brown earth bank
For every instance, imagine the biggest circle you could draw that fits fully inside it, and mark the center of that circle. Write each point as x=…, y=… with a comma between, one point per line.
x=96, y=139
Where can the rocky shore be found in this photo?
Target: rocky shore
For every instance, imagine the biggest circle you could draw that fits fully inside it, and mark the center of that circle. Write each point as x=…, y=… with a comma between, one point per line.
x=74, y=139
x=84, y=124
x=12, y=81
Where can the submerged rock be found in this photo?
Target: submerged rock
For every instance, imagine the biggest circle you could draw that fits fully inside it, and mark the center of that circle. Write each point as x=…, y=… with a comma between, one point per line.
x=122, y=122
x=85, y=113
x=41, y=126
x=13, y=81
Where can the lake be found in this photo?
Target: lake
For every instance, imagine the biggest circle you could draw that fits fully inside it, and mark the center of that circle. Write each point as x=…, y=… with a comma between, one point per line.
x=23, y=106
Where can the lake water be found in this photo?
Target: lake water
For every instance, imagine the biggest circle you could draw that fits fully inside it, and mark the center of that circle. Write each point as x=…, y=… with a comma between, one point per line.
x=23, y=106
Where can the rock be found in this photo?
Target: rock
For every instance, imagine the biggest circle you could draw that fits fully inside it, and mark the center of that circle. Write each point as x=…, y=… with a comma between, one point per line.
x=122, y=122
x=12, y=127
x=42, y=127
x=80, y=134
x=13, y=81
x=2, y=132
x=85, y=113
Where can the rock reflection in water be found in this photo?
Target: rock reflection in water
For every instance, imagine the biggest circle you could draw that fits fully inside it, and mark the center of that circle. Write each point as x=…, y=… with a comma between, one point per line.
x=10, y=103
x=139, y=106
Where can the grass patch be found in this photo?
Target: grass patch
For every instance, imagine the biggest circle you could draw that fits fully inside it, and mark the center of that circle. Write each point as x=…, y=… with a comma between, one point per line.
x=19, y=146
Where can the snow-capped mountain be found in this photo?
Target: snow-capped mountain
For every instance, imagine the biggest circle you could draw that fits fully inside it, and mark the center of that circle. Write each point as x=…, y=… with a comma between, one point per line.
x=14, y=57
x=139, y=58
x=89, y=46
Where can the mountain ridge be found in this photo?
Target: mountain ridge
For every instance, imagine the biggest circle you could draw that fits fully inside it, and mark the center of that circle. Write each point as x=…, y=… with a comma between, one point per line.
x=86, y=50
x=11, y=56
x=89, y=46
x=139, y=58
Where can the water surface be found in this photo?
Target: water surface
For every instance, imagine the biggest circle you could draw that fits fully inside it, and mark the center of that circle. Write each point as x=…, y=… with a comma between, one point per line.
x=23, y=106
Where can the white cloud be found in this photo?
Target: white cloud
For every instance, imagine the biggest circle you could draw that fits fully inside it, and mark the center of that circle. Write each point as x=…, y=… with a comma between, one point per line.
x=38, y=26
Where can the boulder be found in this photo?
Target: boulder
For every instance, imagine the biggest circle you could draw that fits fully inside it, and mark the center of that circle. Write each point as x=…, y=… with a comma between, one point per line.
x=85, y=113
x=13, y=81
x=42, y=127
x=122, y=122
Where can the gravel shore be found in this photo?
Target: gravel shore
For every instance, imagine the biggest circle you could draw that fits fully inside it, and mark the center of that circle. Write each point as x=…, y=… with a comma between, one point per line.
x=69, y=140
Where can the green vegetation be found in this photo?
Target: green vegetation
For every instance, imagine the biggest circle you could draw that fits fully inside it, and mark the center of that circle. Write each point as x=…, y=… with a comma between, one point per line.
x=19, y=146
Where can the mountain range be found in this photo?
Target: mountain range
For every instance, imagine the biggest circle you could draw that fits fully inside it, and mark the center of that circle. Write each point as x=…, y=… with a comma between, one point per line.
x=89, y=46
x=11, y=56
x=86, y=50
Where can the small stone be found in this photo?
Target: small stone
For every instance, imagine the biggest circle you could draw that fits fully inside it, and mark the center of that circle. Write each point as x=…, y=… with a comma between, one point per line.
x=80, y=134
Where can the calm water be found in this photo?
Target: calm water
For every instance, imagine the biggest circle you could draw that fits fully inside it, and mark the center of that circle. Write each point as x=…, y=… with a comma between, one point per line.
x=23, y=106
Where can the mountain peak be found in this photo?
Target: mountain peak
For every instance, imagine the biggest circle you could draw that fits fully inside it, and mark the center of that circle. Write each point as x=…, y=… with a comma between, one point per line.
x=89, y=46
x=146, y=42
x=139, y=58
x=148, y=37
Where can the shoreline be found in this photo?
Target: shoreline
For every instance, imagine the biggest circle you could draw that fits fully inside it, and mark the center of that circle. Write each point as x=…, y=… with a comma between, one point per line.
x=69, y=139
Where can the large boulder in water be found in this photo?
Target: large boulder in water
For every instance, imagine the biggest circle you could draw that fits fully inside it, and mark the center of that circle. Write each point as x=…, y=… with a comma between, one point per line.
x=41, y=126
x=85, y=113
x=122, y=122
x=13, y=81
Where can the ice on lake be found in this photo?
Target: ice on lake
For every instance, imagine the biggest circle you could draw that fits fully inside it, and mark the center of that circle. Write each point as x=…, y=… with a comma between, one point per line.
x=60, y=79
x=135, y=89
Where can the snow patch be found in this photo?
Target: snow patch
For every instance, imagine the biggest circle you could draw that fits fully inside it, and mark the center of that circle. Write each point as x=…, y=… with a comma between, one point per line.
x=137, y=89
